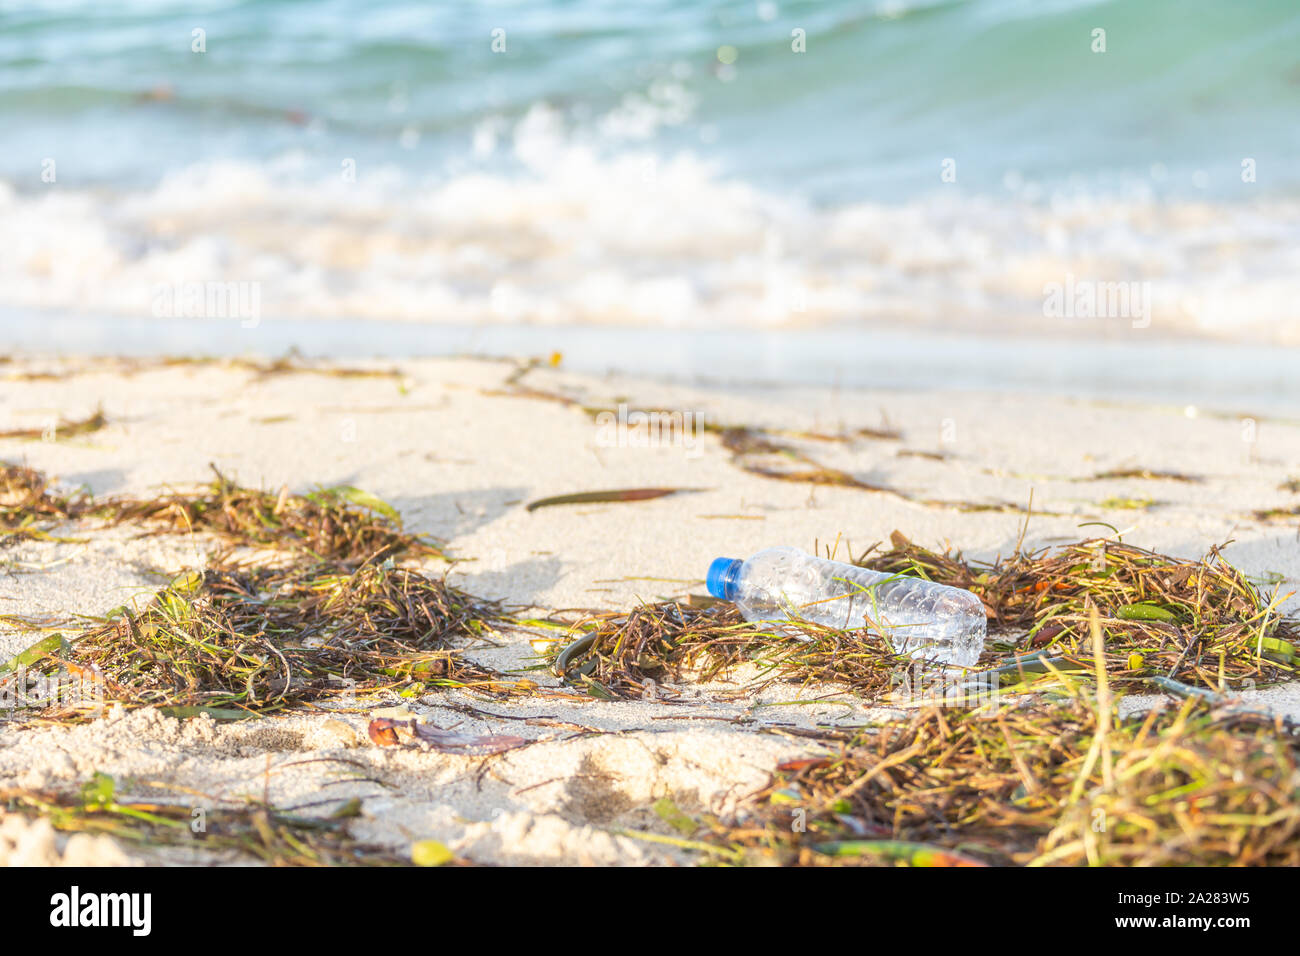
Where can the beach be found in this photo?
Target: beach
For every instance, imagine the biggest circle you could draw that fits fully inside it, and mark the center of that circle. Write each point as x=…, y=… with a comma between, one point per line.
x=460, y=448
x=378, y=382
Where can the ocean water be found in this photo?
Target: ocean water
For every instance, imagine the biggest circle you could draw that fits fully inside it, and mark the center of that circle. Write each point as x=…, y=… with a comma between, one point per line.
x=975, y=168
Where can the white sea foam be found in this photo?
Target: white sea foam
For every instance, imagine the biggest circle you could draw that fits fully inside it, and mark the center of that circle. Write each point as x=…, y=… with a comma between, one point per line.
x=579, y=235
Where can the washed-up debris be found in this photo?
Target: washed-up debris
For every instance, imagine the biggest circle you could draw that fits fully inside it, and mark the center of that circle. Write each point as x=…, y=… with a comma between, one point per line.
x=331, y=524
x=923, y=619
x=234, y=641
x=760, y=453
x=414, y=731
x=57, y=431
x=431, y=853
x=639, y=654
x=598, y=497
x=1143, y=474
x=28, y=508
x=253, y=831
x=1045, y=783
x=1198, y=621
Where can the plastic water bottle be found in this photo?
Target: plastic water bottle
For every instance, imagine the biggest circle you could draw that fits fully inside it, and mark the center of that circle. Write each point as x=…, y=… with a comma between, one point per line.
x=920, y=619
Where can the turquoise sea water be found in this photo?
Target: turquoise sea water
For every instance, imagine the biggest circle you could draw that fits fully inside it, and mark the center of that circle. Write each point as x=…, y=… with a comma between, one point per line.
x=884, y=91
x=663, y=163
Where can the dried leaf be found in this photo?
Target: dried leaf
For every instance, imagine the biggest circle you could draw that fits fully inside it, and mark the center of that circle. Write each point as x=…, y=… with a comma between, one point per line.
x=591, y=497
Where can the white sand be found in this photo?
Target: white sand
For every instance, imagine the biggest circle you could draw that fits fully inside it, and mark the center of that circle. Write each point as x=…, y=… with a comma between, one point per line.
x=460, y=465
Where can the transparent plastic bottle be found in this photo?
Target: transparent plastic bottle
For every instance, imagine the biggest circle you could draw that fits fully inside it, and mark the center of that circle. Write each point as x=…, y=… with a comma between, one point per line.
x=921, y=619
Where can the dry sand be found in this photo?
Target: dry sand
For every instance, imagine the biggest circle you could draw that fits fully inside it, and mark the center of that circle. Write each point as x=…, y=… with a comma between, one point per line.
x=461, y=463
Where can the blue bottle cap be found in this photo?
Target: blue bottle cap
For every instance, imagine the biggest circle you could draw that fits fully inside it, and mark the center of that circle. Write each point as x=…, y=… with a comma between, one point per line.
x=722, y=576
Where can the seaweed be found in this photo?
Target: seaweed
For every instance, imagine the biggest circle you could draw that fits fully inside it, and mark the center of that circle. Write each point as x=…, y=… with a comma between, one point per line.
x=28, y=508
x=1023, y=786
x=64, y=428
x=330, y=524
x=254, y=831
x=1199, y=621
x=234, y=641
x=340, y=523
x=634, y=655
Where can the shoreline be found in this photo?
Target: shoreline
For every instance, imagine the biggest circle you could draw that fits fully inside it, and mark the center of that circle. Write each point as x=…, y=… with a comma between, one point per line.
x=1136, y=366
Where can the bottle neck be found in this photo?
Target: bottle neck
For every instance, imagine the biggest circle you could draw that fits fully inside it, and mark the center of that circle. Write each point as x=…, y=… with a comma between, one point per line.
x=724, y=575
